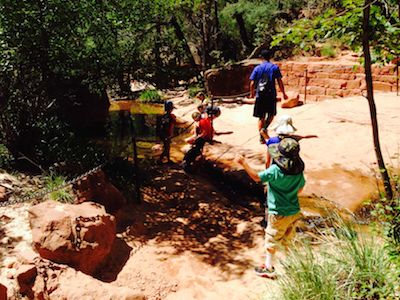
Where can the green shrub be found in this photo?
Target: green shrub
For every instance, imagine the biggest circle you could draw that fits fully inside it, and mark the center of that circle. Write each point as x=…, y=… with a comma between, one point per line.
x=5, y=157
x=328, y=50
x=194, y=90
x=346, y=266
x=150, y=96
x=63, y=195
x=387, y=213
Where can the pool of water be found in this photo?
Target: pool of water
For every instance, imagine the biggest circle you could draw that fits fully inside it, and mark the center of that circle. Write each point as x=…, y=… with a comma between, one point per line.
x=144, y=120
x=143, y=115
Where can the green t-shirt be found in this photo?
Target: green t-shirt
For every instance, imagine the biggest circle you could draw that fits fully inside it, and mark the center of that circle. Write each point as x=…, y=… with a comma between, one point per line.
x=282, y=191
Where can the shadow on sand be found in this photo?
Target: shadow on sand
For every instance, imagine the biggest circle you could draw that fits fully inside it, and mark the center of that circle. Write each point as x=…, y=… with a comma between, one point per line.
x=191, y=214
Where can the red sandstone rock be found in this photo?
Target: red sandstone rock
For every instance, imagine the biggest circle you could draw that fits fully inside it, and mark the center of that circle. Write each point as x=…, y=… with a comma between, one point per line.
x=97, y=188
x=299, y=67
x=349, y=78
x=27, y=256
x=292, y=101
x=315, y=90
x=67, y=283
x=334, y=92
x=3, y=194
x=26, y=275
x=382, y=86
x=353, y=84
x=55, y=232
x=232, y=81
x=3, y=292
x=388, y=78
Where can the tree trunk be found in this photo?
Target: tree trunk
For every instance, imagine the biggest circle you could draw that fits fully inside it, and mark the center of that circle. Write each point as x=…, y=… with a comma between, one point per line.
x=204, y=32
x=181, y=37
x=371, y=102
x=256, y=52
x=217, y=32
x=243, y=33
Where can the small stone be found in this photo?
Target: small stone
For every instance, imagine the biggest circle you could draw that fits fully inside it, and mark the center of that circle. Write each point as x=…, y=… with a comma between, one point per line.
x=3, y=291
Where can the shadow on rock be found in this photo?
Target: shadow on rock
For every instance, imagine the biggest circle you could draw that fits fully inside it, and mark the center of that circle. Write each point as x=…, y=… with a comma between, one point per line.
x=115, y=261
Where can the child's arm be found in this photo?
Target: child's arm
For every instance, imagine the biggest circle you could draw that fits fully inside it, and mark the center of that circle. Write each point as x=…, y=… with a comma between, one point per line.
x=250, y=171
x=300, y=137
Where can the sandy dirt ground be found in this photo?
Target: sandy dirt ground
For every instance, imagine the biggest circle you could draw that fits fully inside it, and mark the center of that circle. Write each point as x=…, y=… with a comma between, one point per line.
x=190, y=240
x=340, y=162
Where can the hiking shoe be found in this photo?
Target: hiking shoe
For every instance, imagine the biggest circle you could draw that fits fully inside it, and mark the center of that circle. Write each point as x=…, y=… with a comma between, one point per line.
x=262, y=271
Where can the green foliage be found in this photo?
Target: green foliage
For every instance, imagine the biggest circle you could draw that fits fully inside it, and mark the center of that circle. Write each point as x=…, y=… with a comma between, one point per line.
x=345, y=24
x=63, y=195
x=194, y=90
x=5, y=157
x=347, y=266
x=328, y=50
x=387, y=212
x=153, y=96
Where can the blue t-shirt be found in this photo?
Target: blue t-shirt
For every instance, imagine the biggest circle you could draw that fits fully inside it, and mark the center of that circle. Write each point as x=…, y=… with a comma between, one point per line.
x=271, y=70
x=282, y=191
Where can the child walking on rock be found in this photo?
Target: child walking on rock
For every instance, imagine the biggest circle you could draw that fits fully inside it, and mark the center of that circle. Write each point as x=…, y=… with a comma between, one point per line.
x=284, y=179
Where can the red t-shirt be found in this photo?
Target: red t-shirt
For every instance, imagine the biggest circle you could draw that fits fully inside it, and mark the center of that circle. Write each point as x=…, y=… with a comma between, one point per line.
x=206, y=129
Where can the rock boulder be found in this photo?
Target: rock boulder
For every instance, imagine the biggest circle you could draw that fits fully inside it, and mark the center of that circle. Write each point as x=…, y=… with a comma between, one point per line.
x=232, y=80
x=292, y=100
x=3, y=292
x=80, y=236
x=97, y=188
x=43, y=279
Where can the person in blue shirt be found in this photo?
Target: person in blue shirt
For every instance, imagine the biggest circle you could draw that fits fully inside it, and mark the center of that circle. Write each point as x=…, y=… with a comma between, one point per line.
x=262, y=86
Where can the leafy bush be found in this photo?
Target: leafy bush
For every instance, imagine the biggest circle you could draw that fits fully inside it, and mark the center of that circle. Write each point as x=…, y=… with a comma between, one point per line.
x=347, y=266
x=5, y=157
x=328, y=50
x=345, y=25
x=64, y=195
x=387, y=212
x=193, y=90
x=153, y=96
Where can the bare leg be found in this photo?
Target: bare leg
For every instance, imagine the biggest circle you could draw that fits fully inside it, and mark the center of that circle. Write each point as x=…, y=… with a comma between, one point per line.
x=269, y=259
x=268, y=121
x=261, y=122
x=166, y=151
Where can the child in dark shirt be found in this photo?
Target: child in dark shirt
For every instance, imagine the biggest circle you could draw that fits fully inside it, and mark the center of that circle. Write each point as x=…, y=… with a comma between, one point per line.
x=166, y=131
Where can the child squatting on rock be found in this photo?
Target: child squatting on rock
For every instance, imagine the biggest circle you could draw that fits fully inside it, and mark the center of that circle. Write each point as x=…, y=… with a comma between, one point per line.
x=284, y=179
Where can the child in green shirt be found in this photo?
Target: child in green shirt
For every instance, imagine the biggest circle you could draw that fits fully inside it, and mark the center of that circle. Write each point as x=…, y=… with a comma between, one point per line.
x=284, y=179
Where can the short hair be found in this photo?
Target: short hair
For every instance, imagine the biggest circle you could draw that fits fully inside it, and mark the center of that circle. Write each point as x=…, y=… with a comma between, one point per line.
x=200, y=94
x=196, y=115
x=266, y=54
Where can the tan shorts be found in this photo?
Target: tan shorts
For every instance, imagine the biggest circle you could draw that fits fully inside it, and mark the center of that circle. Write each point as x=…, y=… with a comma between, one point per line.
x=280, y=229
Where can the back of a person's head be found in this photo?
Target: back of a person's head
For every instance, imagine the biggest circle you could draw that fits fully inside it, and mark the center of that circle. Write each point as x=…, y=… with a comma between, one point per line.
x=196, y=116
x=200, y=107
x=213, y=111
x=266, y=54
x=201, y=96
x=168, y=106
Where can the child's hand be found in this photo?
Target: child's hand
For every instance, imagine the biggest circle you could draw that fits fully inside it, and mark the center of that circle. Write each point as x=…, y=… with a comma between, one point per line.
x=240, y=159
x=285, y=96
